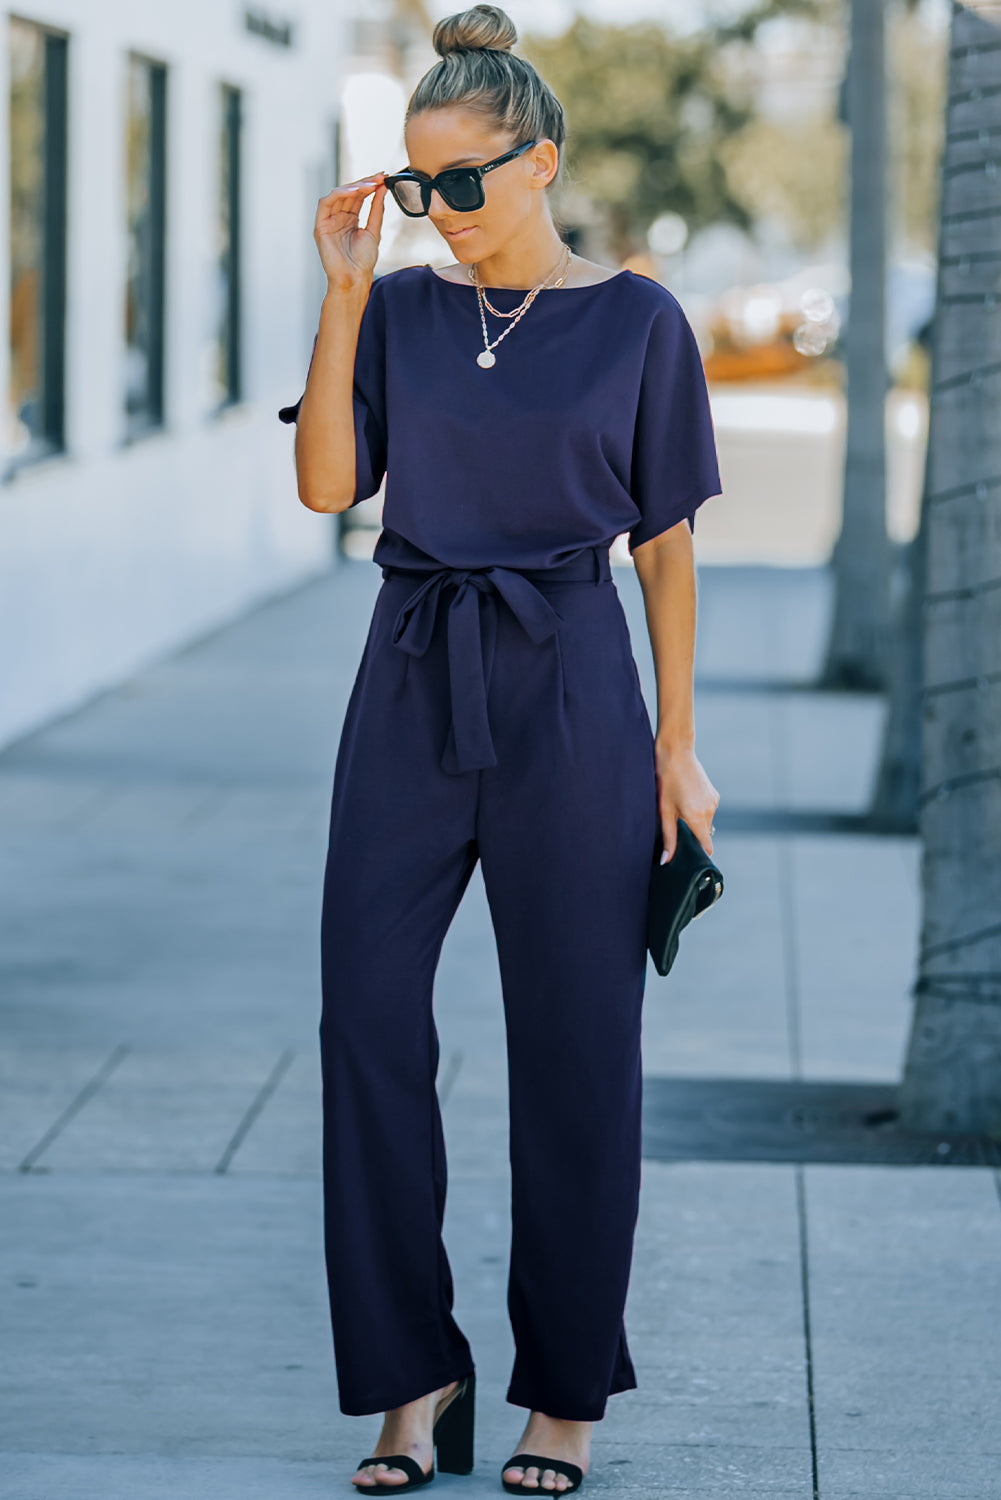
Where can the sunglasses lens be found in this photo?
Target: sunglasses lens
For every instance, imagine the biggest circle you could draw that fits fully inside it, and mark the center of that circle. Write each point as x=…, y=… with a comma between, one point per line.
x=408, y=196
x=460, y=190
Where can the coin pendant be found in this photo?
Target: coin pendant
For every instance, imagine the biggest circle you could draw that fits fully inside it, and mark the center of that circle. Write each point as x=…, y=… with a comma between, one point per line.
x=486, y=359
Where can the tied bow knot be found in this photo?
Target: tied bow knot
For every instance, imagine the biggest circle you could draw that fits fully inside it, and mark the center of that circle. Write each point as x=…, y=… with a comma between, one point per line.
x=470, y=745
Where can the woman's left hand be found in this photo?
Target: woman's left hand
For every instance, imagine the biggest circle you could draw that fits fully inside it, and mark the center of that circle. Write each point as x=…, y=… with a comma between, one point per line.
x=684, y=790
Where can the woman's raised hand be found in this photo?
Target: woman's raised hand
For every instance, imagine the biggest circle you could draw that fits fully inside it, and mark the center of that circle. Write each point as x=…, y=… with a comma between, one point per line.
x=349, y=252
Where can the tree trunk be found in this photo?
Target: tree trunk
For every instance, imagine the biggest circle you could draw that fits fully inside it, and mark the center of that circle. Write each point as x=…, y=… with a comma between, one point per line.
x=952, y=1074
x=894, y=807
x=856, y=650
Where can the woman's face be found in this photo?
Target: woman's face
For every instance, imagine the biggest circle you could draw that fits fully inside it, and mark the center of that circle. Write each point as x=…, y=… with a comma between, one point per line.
x=454, y=137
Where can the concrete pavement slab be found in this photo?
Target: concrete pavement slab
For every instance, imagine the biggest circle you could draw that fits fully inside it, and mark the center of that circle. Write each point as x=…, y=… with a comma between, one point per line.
x=164, y=1111
x=856, y=908
x=723, y=1008
x=906, y=1305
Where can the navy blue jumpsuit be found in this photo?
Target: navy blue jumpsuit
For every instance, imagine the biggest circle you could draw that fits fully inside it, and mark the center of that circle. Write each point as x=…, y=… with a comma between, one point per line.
x=497, y=715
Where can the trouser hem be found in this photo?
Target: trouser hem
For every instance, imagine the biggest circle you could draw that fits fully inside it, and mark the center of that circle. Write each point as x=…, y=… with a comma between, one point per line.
x=537, y=1401
x=401, y=1395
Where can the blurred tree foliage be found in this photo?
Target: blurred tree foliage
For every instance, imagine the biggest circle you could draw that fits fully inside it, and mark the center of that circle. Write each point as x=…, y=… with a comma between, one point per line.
x=917, y=59
x=658, y=123
x=647, y=115
x=795, y=172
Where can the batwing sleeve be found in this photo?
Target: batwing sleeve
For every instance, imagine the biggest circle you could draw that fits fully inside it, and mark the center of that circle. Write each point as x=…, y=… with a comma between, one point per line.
x=674, y=460
x=369, y=396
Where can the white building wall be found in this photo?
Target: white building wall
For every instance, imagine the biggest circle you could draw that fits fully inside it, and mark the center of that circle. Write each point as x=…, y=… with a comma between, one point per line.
x=112, y=555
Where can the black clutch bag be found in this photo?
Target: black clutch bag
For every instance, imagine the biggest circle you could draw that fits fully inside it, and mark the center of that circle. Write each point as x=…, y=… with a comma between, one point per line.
x=680, y=890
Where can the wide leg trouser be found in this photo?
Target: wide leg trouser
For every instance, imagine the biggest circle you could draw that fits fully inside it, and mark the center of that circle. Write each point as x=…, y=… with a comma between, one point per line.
x=564, y=825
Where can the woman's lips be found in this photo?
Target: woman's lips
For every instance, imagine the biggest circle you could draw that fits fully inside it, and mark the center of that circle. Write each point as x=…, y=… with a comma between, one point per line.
x=456, y=234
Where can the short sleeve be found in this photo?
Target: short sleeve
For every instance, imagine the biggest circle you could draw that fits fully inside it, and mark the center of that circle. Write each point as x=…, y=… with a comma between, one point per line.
x=674, y=461
x=369, y=396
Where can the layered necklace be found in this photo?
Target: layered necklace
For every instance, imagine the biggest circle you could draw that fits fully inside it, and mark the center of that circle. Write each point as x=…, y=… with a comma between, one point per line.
x=488, y=358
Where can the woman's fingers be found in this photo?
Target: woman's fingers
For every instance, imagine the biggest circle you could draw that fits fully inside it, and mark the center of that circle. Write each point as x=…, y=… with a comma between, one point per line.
x=341, y=208
x=361, y=188
x=376, y=211
x=669, y=829
x=700, y=822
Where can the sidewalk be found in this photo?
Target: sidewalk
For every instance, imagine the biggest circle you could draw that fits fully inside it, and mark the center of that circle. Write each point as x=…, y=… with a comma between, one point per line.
x=797, y=1330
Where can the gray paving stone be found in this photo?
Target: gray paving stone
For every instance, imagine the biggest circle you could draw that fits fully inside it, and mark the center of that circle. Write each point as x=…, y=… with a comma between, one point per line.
x=723, y=1009
x=906, y=1298
x=36, y=1091
x=745, y=626
x=163, y=1112
x=716, y=1322
x=857, y=914
x=171, y=1315
x=285, y=1140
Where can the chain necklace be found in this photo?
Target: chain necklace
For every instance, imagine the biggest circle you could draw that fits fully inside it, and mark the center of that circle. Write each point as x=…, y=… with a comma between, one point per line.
x=488, y=358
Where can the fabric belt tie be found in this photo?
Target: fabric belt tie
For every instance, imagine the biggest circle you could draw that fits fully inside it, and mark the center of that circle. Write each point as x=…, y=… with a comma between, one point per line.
x=470, y=746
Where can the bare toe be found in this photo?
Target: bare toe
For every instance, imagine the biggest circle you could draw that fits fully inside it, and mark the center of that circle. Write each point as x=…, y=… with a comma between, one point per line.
x=370, y=1475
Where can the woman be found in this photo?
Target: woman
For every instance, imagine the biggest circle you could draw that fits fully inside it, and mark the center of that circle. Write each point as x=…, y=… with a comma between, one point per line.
x=524, y=416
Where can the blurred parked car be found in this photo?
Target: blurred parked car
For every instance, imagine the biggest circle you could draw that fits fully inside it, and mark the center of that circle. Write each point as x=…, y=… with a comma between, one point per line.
x=782, y=328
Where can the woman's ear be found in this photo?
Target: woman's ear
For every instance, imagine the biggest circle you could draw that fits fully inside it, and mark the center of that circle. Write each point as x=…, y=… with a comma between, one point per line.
x=545, y=163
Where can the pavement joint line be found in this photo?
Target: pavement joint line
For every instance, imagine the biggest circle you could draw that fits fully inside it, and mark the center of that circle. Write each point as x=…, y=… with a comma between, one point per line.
x=74, y=1107
x=804, y=1274
x=451, y=1074
x=790, y=966
x=261, y=1098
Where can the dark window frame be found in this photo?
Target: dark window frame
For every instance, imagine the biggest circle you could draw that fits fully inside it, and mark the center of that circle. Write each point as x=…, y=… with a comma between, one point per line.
x=50, y=440
x=231, y=332
x=153, y=417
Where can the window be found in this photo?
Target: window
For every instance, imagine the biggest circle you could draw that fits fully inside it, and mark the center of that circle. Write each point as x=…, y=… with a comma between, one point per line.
x=37, y=241
x=145, y=198
x=226, y=374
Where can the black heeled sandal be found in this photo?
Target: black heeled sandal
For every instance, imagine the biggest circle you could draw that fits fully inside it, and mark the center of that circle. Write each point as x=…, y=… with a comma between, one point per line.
x=451, y=1436
x=536, y=1461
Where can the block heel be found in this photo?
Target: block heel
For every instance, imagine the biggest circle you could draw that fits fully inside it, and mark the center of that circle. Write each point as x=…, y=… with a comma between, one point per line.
x=453, y=1431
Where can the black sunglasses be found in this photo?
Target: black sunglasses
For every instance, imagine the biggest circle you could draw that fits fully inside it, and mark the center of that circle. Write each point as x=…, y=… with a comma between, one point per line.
x=460, y=187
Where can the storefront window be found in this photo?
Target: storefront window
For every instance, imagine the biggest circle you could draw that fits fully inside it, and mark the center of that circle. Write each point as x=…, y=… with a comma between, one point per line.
x=227, y=351
x=37, y=241
x=145, y=197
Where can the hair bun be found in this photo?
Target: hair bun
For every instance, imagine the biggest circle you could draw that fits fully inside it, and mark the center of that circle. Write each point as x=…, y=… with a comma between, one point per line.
x=474, y=30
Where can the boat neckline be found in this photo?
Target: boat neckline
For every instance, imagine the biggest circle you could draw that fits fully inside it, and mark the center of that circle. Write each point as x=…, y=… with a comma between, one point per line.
x=592, y=286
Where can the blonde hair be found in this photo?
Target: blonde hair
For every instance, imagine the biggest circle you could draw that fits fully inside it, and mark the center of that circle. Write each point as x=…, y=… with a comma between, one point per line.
x=478, y=71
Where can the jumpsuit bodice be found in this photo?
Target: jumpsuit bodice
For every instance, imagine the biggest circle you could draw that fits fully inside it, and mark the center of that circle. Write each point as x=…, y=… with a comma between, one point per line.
x=594, y=420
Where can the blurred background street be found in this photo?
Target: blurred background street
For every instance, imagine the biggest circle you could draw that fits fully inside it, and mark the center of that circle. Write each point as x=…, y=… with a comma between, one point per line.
x=814, y=1305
